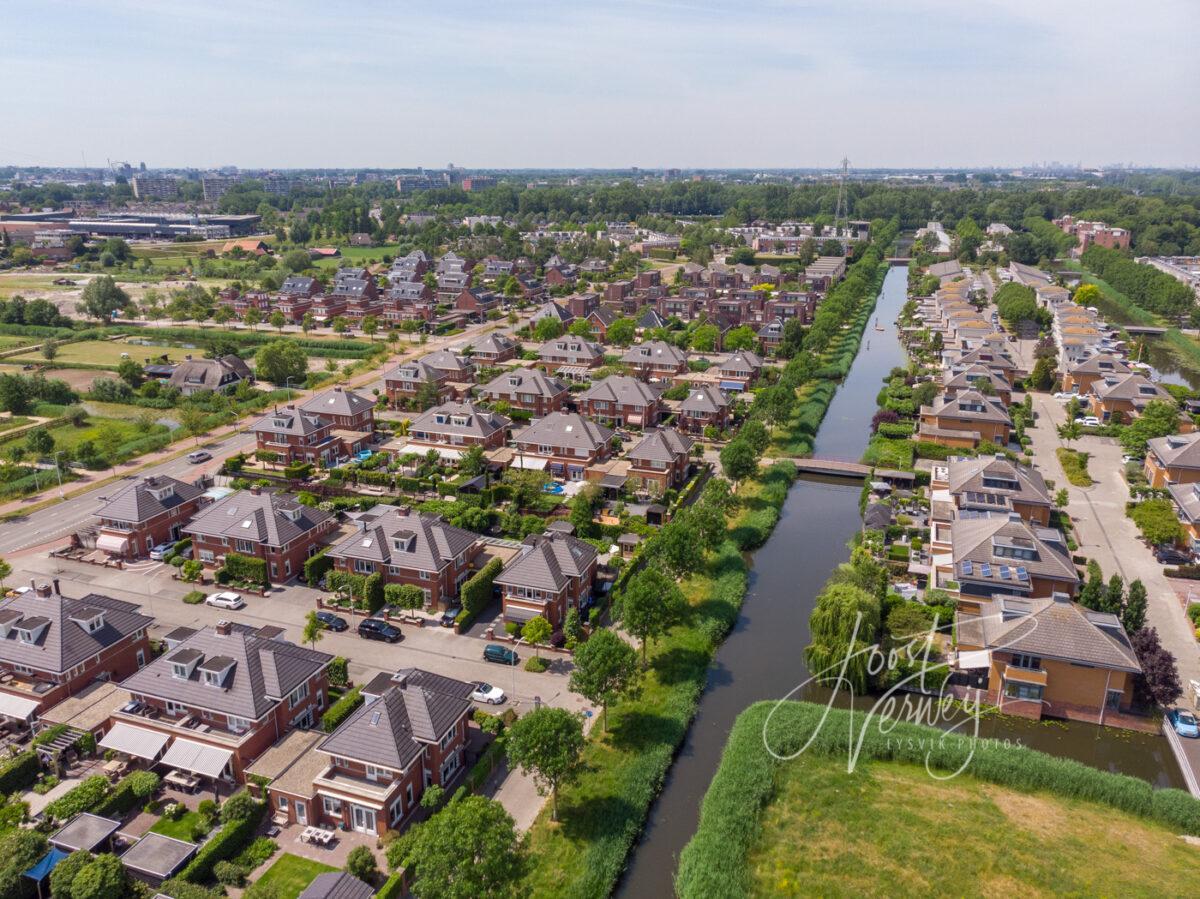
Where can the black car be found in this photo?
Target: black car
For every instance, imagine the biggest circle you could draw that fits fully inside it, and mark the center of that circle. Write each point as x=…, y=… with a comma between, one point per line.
x=451, y=615
x=1167, y=555
x=332, y=622
x=378, y=629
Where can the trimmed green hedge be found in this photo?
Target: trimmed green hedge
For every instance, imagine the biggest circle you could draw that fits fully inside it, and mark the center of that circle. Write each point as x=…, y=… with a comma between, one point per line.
x=476, y=593
x=19, y=772
x=316, y=567
x=393, y=888
x=246, y=568
x=130, y=792
x=90, y=793
x=228, y=842
x=340, y=710
x=713, y=864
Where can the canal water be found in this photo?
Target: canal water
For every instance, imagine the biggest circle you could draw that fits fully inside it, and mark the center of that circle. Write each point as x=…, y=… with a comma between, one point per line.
x=1165, y=363
x=763, y=656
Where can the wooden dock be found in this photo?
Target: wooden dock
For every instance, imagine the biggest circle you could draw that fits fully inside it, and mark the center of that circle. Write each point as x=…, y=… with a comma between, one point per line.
x=838, y=467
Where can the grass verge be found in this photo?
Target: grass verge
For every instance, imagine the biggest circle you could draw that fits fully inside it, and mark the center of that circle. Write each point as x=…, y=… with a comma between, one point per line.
x=899, y=831
x=1075, y=465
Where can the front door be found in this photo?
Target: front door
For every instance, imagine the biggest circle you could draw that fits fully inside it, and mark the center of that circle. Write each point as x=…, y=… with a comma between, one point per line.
x=301, y=812
x=362, y=819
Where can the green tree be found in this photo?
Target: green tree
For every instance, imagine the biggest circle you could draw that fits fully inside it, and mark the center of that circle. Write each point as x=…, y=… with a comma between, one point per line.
x=581, y=327
x=705, y=337
x=280, y=361
x=370, y=324
x=307, y=323
x=49, y=350
x=650, y=605
x=1133, y=616
x=536, y=631
x=313, y=630
x=1042, y=377
x=64, y=874
x=547, y=744
x=101, y=298
x=252, y=317
x=473, y=461
x=621, y=332
x=40, y=442
x=131, y=373
x=738, y=461
x=572, y=624
x=238, y=807
x=1070, y=431
x=278, y=320
x=755, y=433
x=1160, y=418
x=1113, y=599
x=606, y=668
x=193, y=422
x=341, y=324
x=360, y=863
x=678, y=548
x=469, y=849
x=102, y=878
x=843, y=624
x=1091, y=596
x=296, y=260
x=741, y=338
x=547, y=329
x=5, y=573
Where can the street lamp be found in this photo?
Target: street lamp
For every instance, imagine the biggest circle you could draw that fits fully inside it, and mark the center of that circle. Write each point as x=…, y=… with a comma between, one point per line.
x=287, y=384
x=58, y=471
x=516, y=642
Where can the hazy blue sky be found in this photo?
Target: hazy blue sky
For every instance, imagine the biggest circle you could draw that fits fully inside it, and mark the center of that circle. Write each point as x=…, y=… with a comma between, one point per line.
x=510, y=83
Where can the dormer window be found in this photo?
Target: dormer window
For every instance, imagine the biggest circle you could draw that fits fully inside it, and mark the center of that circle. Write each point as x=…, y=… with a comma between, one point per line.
x=184, y=662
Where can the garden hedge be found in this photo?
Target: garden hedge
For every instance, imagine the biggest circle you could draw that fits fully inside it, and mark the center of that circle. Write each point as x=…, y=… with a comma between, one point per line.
x=246, y=568
x=230, y=840
x=340, y=710
x=316, y=567
x=130, y=792
x=19, y=772
x=85, y=797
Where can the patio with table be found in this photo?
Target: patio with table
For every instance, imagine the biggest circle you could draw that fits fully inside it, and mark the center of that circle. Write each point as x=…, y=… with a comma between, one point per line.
x=319, y=836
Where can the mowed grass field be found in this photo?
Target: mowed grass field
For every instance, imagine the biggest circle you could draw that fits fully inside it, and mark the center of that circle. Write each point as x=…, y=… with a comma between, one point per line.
x=290, y=875
x=106, y=353
x=889, y=829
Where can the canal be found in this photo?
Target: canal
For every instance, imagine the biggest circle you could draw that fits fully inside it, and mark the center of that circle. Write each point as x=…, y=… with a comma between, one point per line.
x=1165, y=363
x=763, y=656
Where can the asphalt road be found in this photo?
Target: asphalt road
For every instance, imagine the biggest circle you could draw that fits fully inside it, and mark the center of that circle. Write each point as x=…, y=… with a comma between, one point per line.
x=68, y=516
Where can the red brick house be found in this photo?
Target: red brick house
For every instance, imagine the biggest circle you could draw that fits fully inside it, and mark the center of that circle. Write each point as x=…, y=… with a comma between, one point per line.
x=568, y=443
x=492, y=348
x=554, y=573
x=529, y=390
x=406, y=547
x=599, y=320
x=292, y=307
x=270, y=526
x=297, y=436
x=369, y=775
x=52, y=647
x=300, y=286
x=404, y=382
x=704, y=406
x=457, y=426
x=409, y=301
x=219, y=699
x=570, y=352
x=648, y=279
x=656, y=360
x=740, y=370
x=620, y=400
x=344, y=409
x=477, y=302
x=660, y=460
x=144, y=514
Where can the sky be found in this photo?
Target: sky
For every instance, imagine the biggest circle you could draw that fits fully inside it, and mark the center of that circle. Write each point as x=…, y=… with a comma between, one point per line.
x=604, y=83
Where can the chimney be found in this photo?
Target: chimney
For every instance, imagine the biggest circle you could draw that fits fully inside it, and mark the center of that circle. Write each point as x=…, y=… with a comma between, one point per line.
x=188, y=357
x=337, y=390
x=224, y=628
x=56, y=590
x=255, y=489
x=1060, y=597
x=42, y=591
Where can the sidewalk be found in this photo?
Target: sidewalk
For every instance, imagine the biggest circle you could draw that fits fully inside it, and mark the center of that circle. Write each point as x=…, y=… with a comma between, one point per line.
x=1105, y=533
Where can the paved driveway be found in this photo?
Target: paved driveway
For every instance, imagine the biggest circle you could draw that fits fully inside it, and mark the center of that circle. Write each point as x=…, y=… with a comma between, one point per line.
x=1105, y=533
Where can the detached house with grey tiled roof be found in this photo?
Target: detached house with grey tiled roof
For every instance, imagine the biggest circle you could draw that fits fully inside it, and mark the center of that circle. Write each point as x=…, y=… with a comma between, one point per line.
x=656, y=360
x=369, y=775
x=660, y=460
x=274, y=527
x=554, y=572
x=704, y=406
x=620, y=400
x=406, y=547
x=528, y=389
x=407, y=380
x=456, y=427
x=492, y=347
x=198, y=375
x=145, y=513
x=53, y=647
x=220, y=698
x=570, y=355
x=564, y=444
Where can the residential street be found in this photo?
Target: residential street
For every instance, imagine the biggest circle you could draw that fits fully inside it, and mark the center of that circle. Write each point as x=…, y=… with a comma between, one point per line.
x=1106, y=534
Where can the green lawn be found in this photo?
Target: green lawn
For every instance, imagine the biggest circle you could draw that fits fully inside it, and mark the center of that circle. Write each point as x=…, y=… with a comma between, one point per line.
x=291, y=874
x=14, y=421
x=67, y=436
x=183, y=829
x=356, y=255
x=889, y=829
x=10, y=341
x=106, y=353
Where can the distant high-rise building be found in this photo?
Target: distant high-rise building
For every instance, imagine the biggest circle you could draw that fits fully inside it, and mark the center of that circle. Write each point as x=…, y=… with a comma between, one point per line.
x=147, y=187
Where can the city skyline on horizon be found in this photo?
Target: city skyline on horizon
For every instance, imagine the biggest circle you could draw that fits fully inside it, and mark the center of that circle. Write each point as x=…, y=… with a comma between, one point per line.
x=662, y=84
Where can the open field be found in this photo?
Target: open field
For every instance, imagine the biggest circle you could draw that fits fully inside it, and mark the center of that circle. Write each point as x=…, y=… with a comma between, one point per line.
x=9, y=341
x=889, y=829
x=102, y=431
x=26, y=283
x=79, y=379
x=106, y=353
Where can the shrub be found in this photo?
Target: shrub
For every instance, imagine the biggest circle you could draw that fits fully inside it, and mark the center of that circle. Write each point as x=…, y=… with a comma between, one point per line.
x=340, y=710
x=233, y=836
x=393, y=887
x=130, y=793
x=361, y=864
x=339, y=671
x=246, y=569
x=229, y=874
x=83, y=798
x=476, y=593
x=537, y=664
x=316, y=567
x=257, y=853
x=194, y=597
x=373, y=592
x=238, y=807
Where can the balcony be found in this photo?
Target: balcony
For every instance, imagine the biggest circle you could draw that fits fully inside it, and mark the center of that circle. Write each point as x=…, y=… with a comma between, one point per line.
x=348, y=784
x=1035, y=676
x=26, y=683
x=188, y=724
